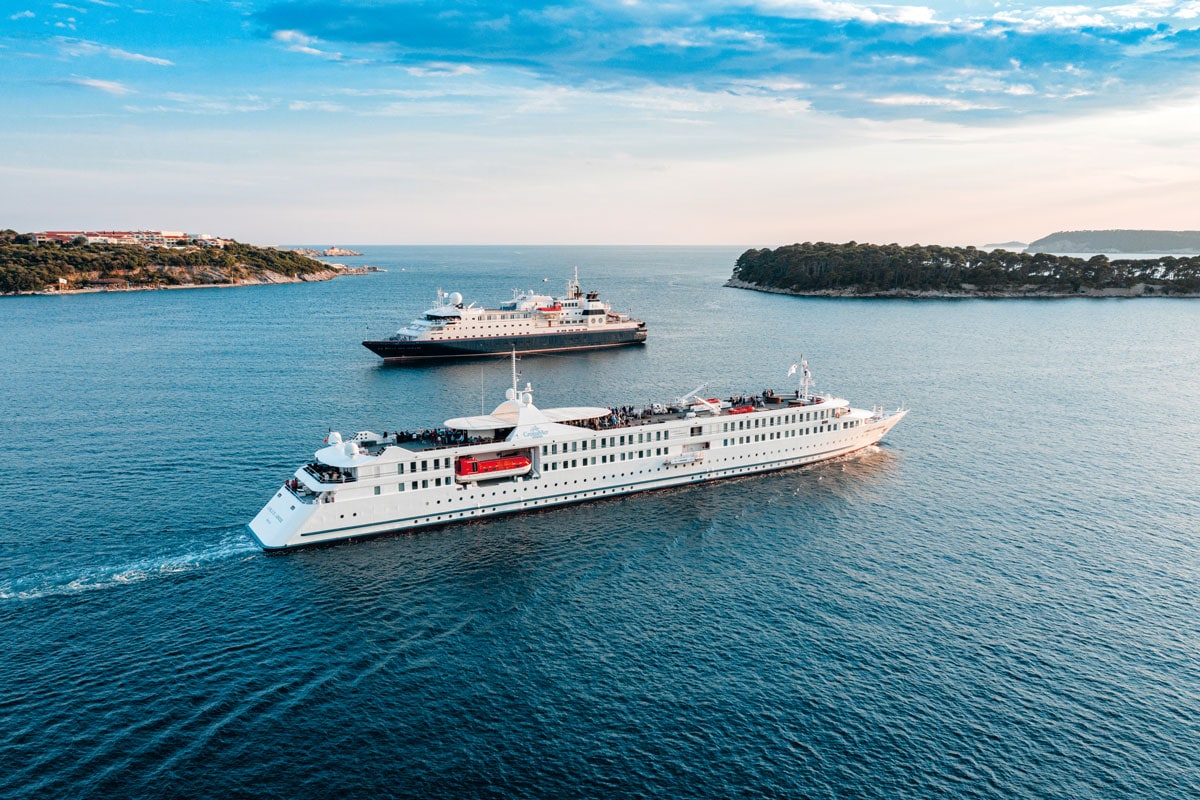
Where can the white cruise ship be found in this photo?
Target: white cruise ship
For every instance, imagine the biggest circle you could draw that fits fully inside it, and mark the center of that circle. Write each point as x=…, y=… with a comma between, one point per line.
x=521, y=457
x=529, y=323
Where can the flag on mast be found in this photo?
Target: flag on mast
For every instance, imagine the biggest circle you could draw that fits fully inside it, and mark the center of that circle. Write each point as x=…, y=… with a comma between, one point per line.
x=792, y=371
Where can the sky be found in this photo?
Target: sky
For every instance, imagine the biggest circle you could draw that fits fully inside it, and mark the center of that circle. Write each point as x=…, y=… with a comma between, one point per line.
x=757, y=123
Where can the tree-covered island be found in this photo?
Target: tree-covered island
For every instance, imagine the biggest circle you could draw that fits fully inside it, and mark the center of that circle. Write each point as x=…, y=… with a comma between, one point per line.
x=872, y=270
x=27, y=266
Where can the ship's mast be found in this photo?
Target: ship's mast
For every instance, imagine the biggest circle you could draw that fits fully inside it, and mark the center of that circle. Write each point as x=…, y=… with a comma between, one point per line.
x=804, y=390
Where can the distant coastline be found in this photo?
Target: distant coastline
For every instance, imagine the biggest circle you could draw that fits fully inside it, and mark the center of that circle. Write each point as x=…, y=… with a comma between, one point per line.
x=1118, y=242
x=33, y=265
x=890, y=271
x=1027, y=293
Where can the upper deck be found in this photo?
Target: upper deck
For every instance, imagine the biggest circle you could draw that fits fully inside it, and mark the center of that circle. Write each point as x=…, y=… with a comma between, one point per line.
x=618, y=417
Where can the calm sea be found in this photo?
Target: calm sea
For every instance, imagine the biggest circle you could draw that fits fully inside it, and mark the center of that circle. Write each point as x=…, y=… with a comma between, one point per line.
x=1001, y=601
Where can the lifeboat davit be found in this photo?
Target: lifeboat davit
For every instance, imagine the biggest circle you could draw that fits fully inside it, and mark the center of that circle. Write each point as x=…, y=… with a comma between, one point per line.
x=468, y=469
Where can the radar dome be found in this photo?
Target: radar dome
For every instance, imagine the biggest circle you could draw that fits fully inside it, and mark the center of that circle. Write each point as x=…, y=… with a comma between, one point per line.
x=334, y=438
x=455, y=299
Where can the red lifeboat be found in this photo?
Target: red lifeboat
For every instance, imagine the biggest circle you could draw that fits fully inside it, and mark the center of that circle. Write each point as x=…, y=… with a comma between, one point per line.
x=468, y=468
x=741, y=409
x=550, y=309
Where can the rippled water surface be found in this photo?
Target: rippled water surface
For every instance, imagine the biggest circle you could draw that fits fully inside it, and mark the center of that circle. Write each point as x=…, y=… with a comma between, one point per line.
x=1000, y=601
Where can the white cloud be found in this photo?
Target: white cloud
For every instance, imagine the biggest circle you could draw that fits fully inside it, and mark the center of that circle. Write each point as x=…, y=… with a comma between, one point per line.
x=845, y=12
x=109, y=87
x=300, y=42
x=440, y=69
x=23, y=15
x=181, y=103
x=75, y=47
x=315, y=105
x=922, y=100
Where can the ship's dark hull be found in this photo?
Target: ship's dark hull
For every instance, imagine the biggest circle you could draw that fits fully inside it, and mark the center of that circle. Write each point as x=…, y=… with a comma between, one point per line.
x=401, y=350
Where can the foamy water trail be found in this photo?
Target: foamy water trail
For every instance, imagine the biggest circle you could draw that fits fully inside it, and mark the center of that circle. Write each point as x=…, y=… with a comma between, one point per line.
x=38, y=585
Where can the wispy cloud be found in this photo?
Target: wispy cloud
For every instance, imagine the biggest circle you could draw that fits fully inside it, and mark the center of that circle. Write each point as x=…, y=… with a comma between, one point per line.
x=436, y=69
x=838, y=56
x=108, y=87
x=315, y=105
x=79, y=47
x=22, y=15
x=185, y=103
x=298, y=42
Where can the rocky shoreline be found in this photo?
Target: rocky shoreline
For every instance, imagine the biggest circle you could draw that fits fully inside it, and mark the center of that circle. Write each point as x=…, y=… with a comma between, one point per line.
x=1022, y=292
x=264, y=278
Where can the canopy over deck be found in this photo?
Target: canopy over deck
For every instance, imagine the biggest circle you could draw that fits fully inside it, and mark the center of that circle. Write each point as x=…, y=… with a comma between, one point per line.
x=511, y=415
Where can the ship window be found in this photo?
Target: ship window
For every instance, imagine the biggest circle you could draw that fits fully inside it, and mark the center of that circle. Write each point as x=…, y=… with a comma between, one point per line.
x=584, y=445
x=574, y=447
x=573, y=463
x=400, y=487
x=437, y=481
x=554, y=449
x=622, y=440
x=414, y=485
x=425, y=484
x=545, y=450
x=378, y=489
x=400, y=469
x=424, y=466
x=696, y=430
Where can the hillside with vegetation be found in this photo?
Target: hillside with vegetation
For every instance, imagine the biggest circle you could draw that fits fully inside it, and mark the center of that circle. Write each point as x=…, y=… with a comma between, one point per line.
x=1118, y=241
x=26, y=266
x=892, y=270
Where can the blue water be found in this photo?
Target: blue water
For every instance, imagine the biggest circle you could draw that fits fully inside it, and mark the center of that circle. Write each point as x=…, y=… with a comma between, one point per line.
x=1001, y=601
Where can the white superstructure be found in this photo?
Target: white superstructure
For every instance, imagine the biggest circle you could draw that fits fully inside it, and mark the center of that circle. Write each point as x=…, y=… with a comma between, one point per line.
x=521, y=457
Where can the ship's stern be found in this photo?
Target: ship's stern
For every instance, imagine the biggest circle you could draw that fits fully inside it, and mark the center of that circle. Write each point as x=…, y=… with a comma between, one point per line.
x=279, y=525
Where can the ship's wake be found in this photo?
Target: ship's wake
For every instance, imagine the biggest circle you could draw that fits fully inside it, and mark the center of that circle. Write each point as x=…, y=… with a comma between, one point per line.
x=89, y=579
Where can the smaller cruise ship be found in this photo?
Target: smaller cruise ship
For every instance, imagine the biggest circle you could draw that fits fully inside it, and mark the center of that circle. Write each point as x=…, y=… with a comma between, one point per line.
x=529, y=323
x=521, y=457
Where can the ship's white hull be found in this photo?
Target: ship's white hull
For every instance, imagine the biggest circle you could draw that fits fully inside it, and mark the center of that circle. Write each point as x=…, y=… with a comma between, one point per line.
x=567, y=469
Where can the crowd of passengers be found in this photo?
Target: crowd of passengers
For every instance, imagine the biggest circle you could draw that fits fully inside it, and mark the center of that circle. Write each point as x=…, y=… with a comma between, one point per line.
x=618, y=417
x=325, y=474
x=623, y=416
x=440, y=437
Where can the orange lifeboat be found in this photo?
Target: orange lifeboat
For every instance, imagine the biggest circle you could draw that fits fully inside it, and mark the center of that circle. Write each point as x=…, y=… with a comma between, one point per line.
x=741, y=409
x=468, y=468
